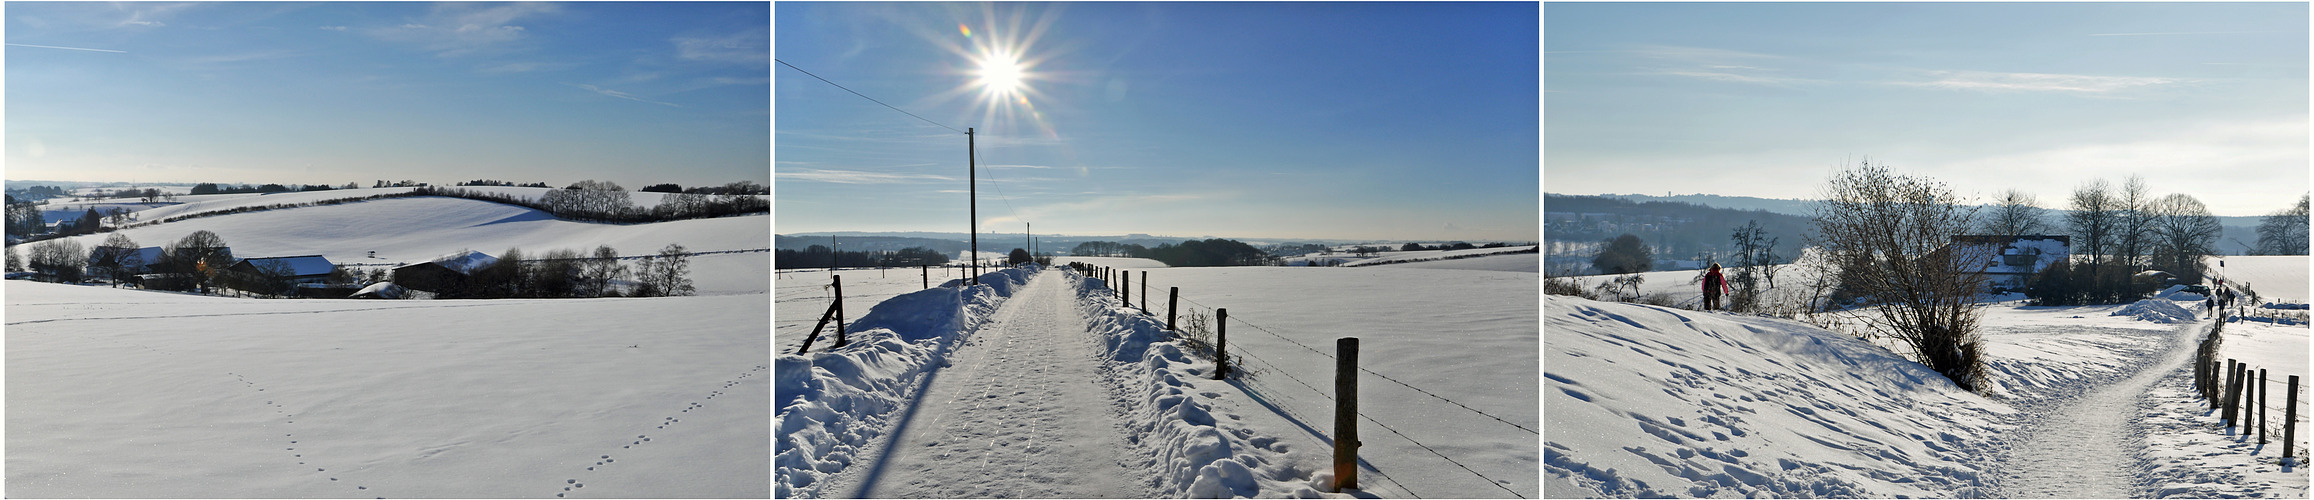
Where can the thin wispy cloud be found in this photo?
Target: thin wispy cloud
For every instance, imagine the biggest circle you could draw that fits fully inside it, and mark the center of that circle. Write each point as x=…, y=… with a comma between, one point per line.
x=2040, y=82
x=67, y=48
x=2180, y=33
x=459, y=29
x=621, y=95
x=858, y=177
x=334, y=28
x=1720, y=65
x=747, y=47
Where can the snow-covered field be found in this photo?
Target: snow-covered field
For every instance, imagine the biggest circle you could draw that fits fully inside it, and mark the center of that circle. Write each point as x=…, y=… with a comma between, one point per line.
x=126, y=393
x=2089, y=401
x=409, y=230
x=1465, y=336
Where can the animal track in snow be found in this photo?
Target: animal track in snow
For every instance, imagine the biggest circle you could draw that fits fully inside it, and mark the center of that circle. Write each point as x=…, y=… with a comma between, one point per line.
x=640, y=439
x=282, y=409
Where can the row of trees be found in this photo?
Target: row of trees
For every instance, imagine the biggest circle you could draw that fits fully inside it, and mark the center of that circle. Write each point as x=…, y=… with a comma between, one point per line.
x=566, y=273
x=1191, y=253
x=215, y=188
x=818, y=256
x=604, y=201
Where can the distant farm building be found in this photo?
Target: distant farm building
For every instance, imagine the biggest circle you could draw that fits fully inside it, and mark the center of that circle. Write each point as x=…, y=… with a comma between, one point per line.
x=447, y=273
x=2015, y=259
x=295, y=270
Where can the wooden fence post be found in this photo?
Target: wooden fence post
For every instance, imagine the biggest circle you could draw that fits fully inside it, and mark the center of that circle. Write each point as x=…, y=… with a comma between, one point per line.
x=1144, y=292
x=927, y=268
x=2290, y=417
x=2243, y=400
x=2225, y=397
x=1345, y=414
x=1172, y=299
x=1126, y=290
x=1221, y=344
x=841, y=338
x=815, y=335
x=2261, y=406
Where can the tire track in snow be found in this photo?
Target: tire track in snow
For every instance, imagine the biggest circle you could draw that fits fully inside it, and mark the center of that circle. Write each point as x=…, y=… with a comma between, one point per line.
x=2090, y=447
x=271, y=313
x=1022, y=416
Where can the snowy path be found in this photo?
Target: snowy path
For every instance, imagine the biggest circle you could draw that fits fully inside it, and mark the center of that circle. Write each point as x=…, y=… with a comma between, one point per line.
x=1019, y=413
x=2089, y=447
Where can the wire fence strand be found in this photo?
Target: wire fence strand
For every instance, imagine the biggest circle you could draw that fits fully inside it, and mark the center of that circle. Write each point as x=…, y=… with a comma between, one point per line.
x=1274, y=368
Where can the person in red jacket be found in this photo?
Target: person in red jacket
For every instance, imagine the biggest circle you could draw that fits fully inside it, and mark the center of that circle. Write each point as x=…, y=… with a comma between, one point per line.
x=1713, y=284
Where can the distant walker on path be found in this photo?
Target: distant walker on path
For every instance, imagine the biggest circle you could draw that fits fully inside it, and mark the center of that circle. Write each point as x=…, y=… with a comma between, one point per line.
x=1713, y=284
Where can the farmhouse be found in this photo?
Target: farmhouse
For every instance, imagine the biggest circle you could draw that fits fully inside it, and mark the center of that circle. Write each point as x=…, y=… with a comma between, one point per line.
x=299, y=269
x=447, y=273
x=2016, y=258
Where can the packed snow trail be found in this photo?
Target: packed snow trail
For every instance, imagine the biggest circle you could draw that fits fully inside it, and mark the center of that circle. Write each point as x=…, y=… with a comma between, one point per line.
x=1020, y=412
x=2090, y=448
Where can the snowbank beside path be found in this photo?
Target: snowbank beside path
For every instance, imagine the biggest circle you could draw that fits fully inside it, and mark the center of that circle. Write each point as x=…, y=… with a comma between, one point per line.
x=2158, y=310
x=1205, y=447
x=1642, y=401
x=833, y=403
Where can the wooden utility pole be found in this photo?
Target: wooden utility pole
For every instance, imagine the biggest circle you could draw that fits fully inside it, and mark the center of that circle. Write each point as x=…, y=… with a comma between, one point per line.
x=972, y=191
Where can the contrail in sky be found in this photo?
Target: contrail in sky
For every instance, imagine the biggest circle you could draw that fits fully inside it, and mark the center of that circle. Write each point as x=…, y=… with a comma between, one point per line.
x=67, y=48
x=2184, y=33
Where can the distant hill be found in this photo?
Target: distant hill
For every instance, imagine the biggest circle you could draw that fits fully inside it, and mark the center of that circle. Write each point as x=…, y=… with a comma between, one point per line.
x=1786, y=207
x=2239, y=231
x=1674, y=230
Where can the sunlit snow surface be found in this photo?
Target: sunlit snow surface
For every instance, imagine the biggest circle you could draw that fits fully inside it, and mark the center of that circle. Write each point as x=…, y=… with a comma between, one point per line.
x=124, y=393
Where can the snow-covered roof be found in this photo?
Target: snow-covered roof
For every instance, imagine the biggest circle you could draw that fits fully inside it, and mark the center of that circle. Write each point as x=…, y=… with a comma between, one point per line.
x=302, y=265
x=466, y=261
x=2023, y=254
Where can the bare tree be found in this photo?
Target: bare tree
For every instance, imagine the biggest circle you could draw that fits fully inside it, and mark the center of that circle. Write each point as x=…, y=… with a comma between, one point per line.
x=2284, y=232
x=1755, y=262
x=116, y=258
x=61, y=259
x=599, y=271
x=2136, y=219
x=2181, y=232
x=666, y=274
x=1890, y=236
x=2015, y=213
x=2094, y=220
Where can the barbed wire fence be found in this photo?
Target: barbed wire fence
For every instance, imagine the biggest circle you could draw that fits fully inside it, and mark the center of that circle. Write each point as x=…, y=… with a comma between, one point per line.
x=1195, y=329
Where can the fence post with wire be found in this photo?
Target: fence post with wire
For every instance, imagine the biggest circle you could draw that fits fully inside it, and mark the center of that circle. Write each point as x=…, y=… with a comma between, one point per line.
x=2240, y=397
x=1204, y=334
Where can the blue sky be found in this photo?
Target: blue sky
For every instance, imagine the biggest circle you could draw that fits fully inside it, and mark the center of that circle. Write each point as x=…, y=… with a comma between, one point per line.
x=1766, y=100
x=328, y=92
x=1251, y=120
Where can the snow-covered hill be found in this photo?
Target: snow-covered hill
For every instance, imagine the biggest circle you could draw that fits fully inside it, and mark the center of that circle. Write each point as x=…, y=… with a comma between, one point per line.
x=409, y=230
x=1646, y=401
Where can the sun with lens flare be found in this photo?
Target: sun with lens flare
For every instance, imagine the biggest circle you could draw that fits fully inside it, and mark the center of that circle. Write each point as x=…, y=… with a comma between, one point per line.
x=1001, y=74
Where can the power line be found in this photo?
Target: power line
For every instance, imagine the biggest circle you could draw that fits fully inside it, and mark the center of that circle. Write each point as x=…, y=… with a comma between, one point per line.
x=871, y=99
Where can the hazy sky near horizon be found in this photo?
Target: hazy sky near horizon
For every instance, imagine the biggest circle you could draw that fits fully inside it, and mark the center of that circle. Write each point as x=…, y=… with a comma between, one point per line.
x=1766, y=100
x=1281, y=120
x=337, y=92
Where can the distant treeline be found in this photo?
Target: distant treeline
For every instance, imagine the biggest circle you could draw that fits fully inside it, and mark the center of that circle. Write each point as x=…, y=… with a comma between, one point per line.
x=602, y=201
x=214, y=188
x=817, y=257
x=1192, y=253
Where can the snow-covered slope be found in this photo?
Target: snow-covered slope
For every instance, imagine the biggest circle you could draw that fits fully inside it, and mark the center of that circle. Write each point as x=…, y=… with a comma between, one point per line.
x=127, y=393
x=1646, y=401
x=411, y=230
